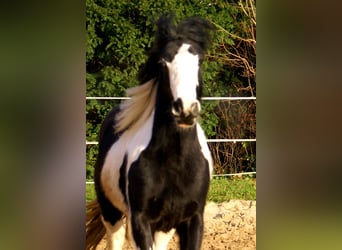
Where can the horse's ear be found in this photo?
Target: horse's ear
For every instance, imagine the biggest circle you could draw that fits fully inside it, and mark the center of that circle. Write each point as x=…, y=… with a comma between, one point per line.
x=165, y=29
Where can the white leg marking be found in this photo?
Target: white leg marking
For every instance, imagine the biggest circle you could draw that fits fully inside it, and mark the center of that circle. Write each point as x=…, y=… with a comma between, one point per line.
x=161, y=239
x=115, y=234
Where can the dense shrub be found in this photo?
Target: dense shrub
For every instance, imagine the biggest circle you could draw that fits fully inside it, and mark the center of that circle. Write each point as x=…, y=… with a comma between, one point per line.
x=120, y=32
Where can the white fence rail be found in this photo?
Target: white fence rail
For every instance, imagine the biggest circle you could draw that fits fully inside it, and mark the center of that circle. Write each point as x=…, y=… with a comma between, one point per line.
x=208, y=140
x=213, y=175
x=203, y=98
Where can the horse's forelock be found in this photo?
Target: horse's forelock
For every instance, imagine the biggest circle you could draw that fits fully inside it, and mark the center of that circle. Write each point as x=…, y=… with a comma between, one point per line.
x=192, y=29
x=196, y=30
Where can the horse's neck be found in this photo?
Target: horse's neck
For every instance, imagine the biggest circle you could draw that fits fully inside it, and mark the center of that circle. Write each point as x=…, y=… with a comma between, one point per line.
x=166, y=132
x=164, y=127
x=163, y=104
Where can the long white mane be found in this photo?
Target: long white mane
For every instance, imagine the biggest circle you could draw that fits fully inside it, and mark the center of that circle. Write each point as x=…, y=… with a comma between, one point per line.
x=134, y=111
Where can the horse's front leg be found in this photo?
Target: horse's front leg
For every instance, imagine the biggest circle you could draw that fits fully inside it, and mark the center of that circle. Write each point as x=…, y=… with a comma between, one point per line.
x=141, y=231
x=190, y=233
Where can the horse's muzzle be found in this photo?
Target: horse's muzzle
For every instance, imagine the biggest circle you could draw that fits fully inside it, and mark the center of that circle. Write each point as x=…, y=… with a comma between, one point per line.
x=185, y=116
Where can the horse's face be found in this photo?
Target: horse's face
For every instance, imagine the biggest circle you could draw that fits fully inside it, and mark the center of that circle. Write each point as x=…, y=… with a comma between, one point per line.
x=183, y=65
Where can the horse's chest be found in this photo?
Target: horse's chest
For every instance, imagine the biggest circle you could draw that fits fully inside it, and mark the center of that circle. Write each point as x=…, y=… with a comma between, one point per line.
x=165, y=213
x=168, y=191
x=170, y=206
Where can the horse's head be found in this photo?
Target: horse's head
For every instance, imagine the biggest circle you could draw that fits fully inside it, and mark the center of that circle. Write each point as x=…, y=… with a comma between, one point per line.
x=182, y=51
x=175, y=61
x=181, y=63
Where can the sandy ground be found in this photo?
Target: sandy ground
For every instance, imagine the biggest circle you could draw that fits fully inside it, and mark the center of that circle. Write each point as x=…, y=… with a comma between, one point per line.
x=228, y=225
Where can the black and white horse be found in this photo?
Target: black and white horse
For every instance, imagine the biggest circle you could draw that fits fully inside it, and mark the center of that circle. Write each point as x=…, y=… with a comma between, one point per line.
x=154, y=164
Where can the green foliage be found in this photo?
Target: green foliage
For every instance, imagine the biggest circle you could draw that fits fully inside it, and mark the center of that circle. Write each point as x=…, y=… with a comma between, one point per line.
x=120, y=32
x=209, y=119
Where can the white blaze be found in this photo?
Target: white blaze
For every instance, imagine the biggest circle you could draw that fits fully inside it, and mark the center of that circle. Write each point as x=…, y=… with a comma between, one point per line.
x=183, y=74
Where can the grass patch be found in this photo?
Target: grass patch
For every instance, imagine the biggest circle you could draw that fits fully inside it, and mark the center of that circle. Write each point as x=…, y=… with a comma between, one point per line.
x=225, y=189
x=90, y=192
x=221, y=189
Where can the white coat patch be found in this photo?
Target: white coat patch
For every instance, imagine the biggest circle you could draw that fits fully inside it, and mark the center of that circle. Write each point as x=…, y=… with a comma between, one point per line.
x=131, y=143
x=204, y=147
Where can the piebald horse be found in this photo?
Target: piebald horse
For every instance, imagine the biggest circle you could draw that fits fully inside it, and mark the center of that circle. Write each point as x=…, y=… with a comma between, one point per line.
x=154, y=165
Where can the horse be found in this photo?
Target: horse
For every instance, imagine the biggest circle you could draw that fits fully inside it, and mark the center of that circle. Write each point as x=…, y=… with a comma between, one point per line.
x=154, y=166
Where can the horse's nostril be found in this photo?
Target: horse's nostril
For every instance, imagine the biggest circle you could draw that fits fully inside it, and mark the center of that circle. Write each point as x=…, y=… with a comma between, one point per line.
x=195, y=109
x=177, y=107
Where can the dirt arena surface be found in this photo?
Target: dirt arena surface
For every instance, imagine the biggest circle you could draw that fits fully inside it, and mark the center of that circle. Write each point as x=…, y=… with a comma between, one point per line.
x=228, y=225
